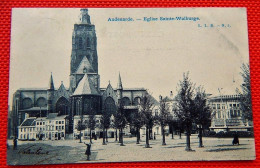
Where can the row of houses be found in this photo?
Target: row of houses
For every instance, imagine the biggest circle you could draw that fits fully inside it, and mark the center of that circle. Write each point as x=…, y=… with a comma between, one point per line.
x=228, y=116
x=52, y=127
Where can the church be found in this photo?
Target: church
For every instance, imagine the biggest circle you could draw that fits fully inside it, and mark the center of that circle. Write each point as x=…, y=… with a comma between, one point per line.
x=84, y=96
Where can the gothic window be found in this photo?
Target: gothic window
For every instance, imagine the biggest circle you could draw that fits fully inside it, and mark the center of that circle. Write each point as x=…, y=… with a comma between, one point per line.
x=41, y=102
x=78, y=107
x=62, y=106
x=137, y=101
x=80, y=43
x=110, y=106
x=88, y=42
x=27, y=103
x=126, y=101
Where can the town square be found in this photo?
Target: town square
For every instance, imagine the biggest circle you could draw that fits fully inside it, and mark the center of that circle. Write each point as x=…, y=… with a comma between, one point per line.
x=173, y=151
x=149, y=96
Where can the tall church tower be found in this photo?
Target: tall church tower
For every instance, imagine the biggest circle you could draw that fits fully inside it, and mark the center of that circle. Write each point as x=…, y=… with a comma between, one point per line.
x=84, y=57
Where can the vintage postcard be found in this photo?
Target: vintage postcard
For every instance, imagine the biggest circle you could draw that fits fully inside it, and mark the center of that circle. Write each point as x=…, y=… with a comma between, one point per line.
x=125, y=85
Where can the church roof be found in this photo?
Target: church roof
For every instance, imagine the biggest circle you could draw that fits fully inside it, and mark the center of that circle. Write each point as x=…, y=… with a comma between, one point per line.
x=84, y=64
x=86, y=87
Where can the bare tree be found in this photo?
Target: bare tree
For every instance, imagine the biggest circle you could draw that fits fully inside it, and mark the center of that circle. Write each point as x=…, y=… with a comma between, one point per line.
x=245, y=93
x=204, y=112
x=145, y=108
x=184, y=108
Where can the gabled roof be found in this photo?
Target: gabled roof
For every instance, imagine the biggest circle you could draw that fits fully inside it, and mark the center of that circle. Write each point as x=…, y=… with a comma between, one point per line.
x=29, y=122
x=86, y=87
x=109, y=86
x=62, y=87
x=84, y=64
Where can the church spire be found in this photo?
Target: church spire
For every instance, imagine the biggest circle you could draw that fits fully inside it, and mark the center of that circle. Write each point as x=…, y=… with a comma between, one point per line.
x=51, y=84
x=119, y=84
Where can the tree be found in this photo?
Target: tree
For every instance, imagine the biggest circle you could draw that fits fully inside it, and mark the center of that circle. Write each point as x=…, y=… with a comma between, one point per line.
x=172, y=124
x=91, y=125
x=105, y=123
x=145, y=108
x=185, y=109
x=204, y=112
x=245, y=93
x=120, y=121
x=137, y=122
x=163, y=117
x=80, y=127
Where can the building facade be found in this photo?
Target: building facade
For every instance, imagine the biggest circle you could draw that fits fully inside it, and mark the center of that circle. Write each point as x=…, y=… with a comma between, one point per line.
x=228, y=114
x=52, y=127
x=84, y=95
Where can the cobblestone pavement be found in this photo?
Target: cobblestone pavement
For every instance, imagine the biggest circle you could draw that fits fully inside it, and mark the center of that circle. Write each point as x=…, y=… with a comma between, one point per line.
x=71, y=151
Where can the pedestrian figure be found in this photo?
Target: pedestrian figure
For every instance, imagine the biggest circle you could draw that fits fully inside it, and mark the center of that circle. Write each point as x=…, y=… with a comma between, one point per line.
x=15, y=143
x=235, y=140
x=154, y=137
x=88, y=151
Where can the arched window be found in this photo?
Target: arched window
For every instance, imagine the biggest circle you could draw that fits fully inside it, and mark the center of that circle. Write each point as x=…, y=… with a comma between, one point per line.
x=62, y=106
x=109, y=106
x=126, y=101
x=88, y=42
x=27, y=103
x=137, y=101
x=80, y=43
x=41, y=102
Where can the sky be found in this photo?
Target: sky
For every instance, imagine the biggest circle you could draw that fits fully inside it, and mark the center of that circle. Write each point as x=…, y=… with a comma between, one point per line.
x=153, y=55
